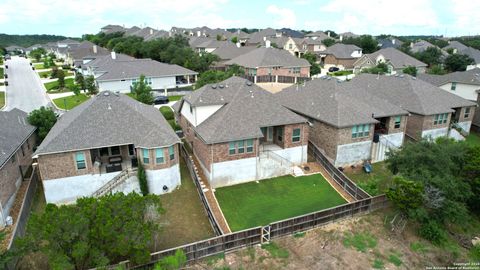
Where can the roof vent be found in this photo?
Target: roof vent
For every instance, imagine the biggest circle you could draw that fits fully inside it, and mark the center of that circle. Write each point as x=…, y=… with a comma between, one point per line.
x=414, y=78
x=117, y=93
x=109, y=106
x=221, y=86
x=106, y=94
x=329, y=78
x=249, y=83
x=214, y=86
x=401, y=76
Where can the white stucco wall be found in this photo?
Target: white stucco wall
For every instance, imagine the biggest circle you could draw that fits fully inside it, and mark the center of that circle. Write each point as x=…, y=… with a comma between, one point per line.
x=199, y=113
x=353, y=153
x=465, y=125
x=466, y=91
x=233, y=172
x=68, y=189
x=169, y=177
x=296, y=155
x=124, y=86
x=435, y=133
x=395, y=138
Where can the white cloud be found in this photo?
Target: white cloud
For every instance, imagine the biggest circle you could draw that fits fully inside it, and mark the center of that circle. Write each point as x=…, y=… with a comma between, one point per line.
x=285, y=17
x=466, y=16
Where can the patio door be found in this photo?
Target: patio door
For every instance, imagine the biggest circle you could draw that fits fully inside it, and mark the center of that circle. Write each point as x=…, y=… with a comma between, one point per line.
x=269, y=134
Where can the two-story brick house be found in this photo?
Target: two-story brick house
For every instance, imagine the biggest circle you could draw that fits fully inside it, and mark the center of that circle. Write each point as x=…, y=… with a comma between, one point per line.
x=17, y=140
x=101, y=138
x=239, y=133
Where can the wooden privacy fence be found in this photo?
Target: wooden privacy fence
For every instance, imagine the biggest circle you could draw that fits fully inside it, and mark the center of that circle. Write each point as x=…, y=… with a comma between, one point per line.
x=260, y=235
x=206, y=205
x=339, y=177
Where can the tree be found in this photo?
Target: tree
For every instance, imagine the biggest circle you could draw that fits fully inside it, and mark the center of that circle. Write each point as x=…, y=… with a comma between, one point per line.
x=219, y=37
x=380, y=68
x=90, y=85
x=431, y=56
x=366, y=42
x=234, y=39
x=80, y=80
x=76, y=91
x=458, y=62
x=437, y=70
x=328, y=42
x=44, y=119
x=95, y=232
x=472, y=173
x=172, y=262
x=312, y=59
x=405, y=195
x=143, y=91
x=142, y=179
x=411, y=70
x=61, y=79
x=214, y=76
x=52, y=55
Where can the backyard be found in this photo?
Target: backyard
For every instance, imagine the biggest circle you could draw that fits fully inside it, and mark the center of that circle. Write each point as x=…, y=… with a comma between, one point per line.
x=375, y=182
x=473, y=139
x=260, y=203
x=70, y=102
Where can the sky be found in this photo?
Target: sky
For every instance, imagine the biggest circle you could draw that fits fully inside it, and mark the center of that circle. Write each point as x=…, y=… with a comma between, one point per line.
x=407, y=17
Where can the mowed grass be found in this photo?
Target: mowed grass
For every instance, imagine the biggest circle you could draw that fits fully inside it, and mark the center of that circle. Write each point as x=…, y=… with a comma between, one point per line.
x=1, y=73
x=70, y=101
x=473, y=139
x=2, y=99
x=54, y=85
x=257, y=204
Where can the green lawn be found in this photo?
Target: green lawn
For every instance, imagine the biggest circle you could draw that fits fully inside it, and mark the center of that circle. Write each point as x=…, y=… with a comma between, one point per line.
x=1, y=73
x=51, y=86
x=2, y=99
x=255, y=204
x=374, y=183
x=39, y=66
x=473, y=139
x=71, y=101
x=174, y=98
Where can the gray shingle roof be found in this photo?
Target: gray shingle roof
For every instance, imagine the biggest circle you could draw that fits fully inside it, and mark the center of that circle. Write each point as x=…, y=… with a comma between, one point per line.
x=246, y=108
x=395, y=57
x=257, y=37
x=108, y=120
x=230, y=52
x=413, y=95
x=319, y=34
x=390, y=43
x=107, y=60
x=268, y=57
x=342, y=51
x=134, y=68
x=421, y=46
x=466, y=77
x=86, y=49
x=14, y=130
x=455, y=45
x=339, y=104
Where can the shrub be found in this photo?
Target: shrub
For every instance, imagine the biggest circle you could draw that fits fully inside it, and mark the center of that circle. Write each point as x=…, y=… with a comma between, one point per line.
x=475, y=253
x=276, y=251
x=167, y=112
x=432, y=232
x=360, y=241
x=142, y=179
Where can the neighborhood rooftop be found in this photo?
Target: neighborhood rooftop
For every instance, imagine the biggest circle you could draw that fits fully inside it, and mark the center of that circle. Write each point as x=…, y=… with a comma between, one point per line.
x=466, y=77
x=106, y=120
x=395, y=57
x=268, y=57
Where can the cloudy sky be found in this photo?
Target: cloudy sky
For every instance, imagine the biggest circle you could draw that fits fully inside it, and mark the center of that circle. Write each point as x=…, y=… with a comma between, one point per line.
x=76, y=17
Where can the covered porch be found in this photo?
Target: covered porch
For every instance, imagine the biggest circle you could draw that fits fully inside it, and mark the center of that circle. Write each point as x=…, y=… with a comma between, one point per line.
x=272, y=139
x=114, y=158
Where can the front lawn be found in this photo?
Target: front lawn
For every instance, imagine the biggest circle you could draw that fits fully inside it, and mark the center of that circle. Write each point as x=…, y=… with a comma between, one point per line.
x=374, y=183
x=473, y=139
x=70, y=101
x=1, y=73
x=174, y=98
x=39, y=66
x=52, y=87
x=255, y=204
x=2, y=99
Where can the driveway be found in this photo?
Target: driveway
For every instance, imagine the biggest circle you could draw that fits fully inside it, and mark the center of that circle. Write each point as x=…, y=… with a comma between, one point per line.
x=25, y=90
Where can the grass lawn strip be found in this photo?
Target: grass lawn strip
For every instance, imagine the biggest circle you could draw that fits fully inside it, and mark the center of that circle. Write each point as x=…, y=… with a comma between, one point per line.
x=71, y=101
x=254, y=204
x=2, y=99
x=473, y=139
x=51, y=86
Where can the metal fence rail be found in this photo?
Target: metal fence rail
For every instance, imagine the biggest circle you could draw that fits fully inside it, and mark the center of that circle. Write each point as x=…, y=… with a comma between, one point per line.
x=208, y=209
x=339, y=177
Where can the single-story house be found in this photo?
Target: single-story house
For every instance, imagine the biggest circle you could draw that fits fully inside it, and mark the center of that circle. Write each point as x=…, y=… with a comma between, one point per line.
x=395, y=60
x=17, y=140
x=102, y=139
x=239, y=133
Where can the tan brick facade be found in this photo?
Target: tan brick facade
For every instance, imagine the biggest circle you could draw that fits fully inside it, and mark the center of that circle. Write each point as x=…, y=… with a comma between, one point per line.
x=60, y=165
x=471, y=115
x=11, y=174
x=416, y=124
x=304, y=72
x=391, y=125
x=153, y=165
x=346, y=63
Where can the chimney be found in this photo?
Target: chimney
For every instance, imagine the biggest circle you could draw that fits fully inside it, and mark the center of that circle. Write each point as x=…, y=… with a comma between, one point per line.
x=328, y=33
x=114, y=55
x=151, y=31
x=393, y=41
x=264, y=38
x=341, y=38
x=94, y=49
x=267, y=43
x=238, y=44
x=411, y=44
x=199, y=33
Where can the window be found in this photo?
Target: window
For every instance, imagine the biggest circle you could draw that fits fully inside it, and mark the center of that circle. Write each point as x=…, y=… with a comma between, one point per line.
x=231, y=148
x=80, y=159
x=304, y=46
x=454, y=86
x=252, y=72
x=440, y=119
x=241, y=147
x=296, y=135
x=360, y=131
x=398, y=121
x=250, y=146
x=296, y=70
x=159, y=156
x=104, y=151
x=131, y=150
x=290, y=46
x=280, y=134
x=148, y=81
x=191, y=109
x=467, y=113
x=115, y=150
x=171, y=152
x=146, y=158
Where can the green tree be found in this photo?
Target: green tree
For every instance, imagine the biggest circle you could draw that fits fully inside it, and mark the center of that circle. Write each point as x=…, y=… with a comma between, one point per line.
x=328, y=42
x=172, y=262
x=142, y=179
x=61, y=78
x=437, y=70
x=214, y=76
x=219, y=37
x=143, y=91
x=312, y=59
x=430, y=56
x=332, y=33
x=458, y=62
x=44, y=119
x=405, y=195
x=411, y=70
x=471, y=172
x=80, y=80
x=366, y=42
x=380, y=68
x=90, y=85
x=95, y=232
x=52, y=55
x=234, y=39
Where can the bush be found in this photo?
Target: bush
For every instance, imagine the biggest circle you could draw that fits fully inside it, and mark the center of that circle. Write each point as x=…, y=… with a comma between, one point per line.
x=174, y=125
x=142, y=179
x=66, y=67
x=432, y=232
x=167, y=112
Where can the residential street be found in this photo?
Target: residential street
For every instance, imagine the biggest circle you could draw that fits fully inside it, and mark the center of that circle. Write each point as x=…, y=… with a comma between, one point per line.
x=25, y=90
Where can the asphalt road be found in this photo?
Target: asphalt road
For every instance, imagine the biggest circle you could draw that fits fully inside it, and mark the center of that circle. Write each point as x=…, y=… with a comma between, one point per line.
x=25, y=90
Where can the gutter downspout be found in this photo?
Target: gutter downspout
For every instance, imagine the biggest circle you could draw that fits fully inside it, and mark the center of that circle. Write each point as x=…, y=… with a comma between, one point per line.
x=211, y=165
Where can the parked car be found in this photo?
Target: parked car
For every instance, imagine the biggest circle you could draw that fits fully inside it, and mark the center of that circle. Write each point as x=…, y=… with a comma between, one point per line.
x=182, y=81
x=333, y=69
x=6, y=83
x=6, y=66
x=5, y=75
x=7, y=57
x=160, y=100
x=33, y=68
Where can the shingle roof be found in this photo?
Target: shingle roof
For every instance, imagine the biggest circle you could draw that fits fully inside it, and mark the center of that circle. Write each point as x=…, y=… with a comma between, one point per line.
x=257, y=37
x=134, y=68
x=466, y=77
x=390, y=43
x=421, y=46
x=413, y=95
x=339, y=104
x=14, y=130
x=85, y=49
x=319, y=34
x=455, y=45
x=395, y=57
x=131, y=30
x=107, y=120
x=230, y=52
x=268, y=57
x=341, y=51
x=103, y=60
x=246, y=108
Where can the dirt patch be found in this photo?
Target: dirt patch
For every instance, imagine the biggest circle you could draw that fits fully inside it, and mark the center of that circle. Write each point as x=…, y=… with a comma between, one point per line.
x=326, y=248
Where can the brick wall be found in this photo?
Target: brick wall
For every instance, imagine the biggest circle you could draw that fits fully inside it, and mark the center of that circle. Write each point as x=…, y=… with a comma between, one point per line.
x=415, y=126
x=391, y=124
x=304, y=72
x=53, y=166
x=287, y=135
x=153, y=165
x=462, y=117
x=429, y=119
x=325, y=137
x=345, y=136
x=10, y=173
x=332, y=60
x=476, y=117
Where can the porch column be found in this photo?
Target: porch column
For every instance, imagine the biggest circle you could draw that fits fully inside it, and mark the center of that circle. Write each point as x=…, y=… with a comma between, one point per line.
x=188, y=79
x=166, y=92
x=195, y=77
x=255, y=79
x=276, y=78
x=295, y=79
